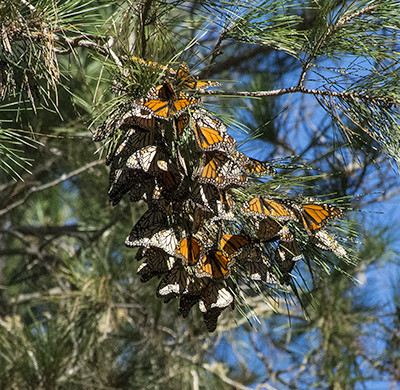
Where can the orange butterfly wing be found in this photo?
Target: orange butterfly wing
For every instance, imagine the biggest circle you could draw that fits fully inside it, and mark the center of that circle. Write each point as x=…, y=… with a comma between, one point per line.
x=316, y=216
x=265, y=208
x=232, y=244
x=220, y=170
x=184, y=80
x=189, y=249
x=211, y=134
x=214, y=264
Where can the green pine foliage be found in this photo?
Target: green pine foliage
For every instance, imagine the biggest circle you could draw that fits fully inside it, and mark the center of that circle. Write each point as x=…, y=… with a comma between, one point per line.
x=73, y=312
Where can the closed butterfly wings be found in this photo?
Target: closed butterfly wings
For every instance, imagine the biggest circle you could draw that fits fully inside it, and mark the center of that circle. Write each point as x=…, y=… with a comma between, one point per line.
x=327, y=242
x=261, y=207
x=184, y=80
x=215, y=298
x=252, y=166
x=152, y=231
x=189, y=250
x=233, y=244
x=215, y=263
x=136, y=175
x=211, y=134
x=176, y=282
x=157, y=67
x=287, y=254
x=221, y=171
x=156, y=262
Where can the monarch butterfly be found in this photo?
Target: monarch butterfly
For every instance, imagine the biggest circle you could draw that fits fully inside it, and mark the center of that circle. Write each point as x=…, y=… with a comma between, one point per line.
x=177, y=282
x=253, y=166
x=192, y=295
x=150, y=223
x=288, y=248
x=115, y=146
x=232, y=244
x=268, y=229
x=215, y=298
x=220, y=170
x=316, y=216
x=261, y=271
x=157, y=262
x=137, y=183
x=266, y=208
x=162, y=239
x=204, y=195
x=165, y=91
x=140, y=118
x=184, y=80
x=150, y=159
x=180, y=123
x=189, y=250
x=286, y=255
x=154, y=65
x=167, y=103
x=323, y=240
x=214, y=264
x=108, y=127
x=169, y=180
x=187, y=302
x=211, y=134
x=133, y=140
x=225, y=206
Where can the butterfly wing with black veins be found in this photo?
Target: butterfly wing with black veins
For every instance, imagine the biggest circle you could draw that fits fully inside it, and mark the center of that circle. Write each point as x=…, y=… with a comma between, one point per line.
x=326, y=242
x=233, y=244
x=152, y=222
x=214, y=264
x=189, y=250
x=221, y=171
x=175, y=283
x=136, y=182
x=268, y=229
x=254, y=261
x=156, y=262
x=211, y=134
x=184, y=80
x=268, y=208
x=167, y=103
x=317, y=216
x=252, y=166
x=287, y=254
x=205, y=196
x=134, y=140
x=108, y=127
x=214, y=299
x=135, y=175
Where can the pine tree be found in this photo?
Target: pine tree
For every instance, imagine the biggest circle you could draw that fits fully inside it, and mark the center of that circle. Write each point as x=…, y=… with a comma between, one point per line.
x=318, y=83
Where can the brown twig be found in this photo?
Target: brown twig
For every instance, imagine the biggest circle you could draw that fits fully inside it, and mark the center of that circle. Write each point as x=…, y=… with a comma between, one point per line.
x=352, y=95
x=80, y=41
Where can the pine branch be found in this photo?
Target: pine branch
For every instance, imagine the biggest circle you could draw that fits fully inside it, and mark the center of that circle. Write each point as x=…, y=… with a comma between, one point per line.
x=79, y=41
x=327, y=35
x=352, y=95
x=53, y=183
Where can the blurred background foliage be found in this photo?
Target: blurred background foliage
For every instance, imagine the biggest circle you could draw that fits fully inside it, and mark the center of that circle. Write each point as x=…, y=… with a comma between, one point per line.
x=73, y=313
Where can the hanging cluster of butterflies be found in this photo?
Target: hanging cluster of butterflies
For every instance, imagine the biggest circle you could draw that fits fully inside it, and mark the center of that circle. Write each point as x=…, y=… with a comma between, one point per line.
x=198, y=235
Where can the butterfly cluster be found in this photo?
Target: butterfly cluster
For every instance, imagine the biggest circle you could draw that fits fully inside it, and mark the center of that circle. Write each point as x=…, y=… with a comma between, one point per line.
x=197, y=236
